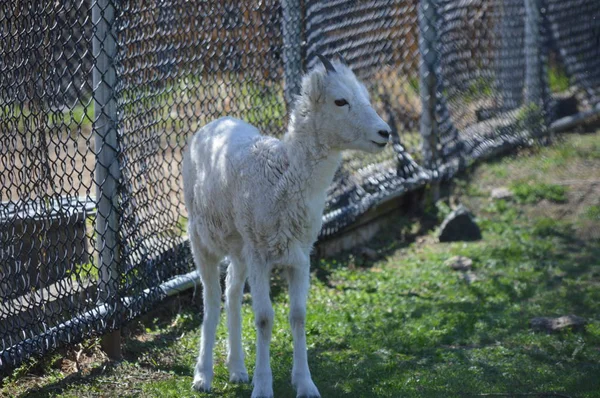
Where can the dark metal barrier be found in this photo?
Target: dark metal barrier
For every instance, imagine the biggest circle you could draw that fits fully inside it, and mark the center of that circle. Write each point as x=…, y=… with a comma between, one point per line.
x=99, y=97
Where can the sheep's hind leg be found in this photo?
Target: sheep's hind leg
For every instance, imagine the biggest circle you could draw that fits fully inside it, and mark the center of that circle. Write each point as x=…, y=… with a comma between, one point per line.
x=236, y=278
x=298, y=279
x=263, y=319
x=208, y=267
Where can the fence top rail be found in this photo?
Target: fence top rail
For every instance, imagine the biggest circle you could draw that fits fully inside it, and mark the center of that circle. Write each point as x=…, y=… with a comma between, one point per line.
x=42, y=208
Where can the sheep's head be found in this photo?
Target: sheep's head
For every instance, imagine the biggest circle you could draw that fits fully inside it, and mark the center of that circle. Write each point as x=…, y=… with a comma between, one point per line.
x=342, y=108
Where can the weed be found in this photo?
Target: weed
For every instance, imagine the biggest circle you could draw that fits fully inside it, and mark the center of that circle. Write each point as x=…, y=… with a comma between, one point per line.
x=532, y=192
x=480, y=87
x=443, y=210
x=545, y=227
x=530, y=117
x=558, y=79
x=84, y=271
x=592, y=212
x=182, y=223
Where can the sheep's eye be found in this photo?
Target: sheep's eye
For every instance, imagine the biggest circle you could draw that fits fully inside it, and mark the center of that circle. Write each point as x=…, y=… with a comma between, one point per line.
x=341, y=102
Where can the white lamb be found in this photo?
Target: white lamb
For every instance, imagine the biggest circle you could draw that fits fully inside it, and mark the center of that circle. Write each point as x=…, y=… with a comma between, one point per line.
x=259, y=201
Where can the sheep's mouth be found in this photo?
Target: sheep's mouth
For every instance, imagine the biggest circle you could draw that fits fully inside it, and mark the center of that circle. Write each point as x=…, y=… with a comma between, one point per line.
x=379, y=144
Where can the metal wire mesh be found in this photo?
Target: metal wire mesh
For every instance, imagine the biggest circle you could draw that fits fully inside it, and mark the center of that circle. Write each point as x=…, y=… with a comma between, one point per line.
x=47, y=164
x=574, y=38
x=204, y=61
x=502, y=67
x=491, y=86
x=99, y=97
x=379, y=40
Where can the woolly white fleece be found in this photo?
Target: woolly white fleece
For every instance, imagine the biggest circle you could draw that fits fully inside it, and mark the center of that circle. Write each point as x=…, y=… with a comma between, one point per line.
x=259, y=201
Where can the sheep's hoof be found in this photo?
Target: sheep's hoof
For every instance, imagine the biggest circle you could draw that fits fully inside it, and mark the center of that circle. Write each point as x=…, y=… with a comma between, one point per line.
x=262, y=395
x=239, y=377
x=201, y=383
x=258, y=392
x=307, y=389
x=263, y=384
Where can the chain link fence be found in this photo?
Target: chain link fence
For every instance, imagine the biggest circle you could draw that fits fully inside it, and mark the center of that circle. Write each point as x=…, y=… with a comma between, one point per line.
x=99, y=97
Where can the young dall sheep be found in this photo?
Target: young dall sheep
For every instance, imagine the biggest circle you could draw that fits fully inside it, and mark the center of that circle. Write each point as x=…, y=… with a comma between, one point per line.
x=259, y=201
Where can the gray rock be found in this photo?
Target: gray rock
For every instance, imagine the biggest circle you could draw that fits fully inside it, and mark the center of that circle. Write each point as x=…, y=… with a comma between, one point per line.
x=564, y=104
x=459, y=226
x=501, y=193
x=548, y=324
x=470, y=277
x=368, y=253
x=460, y=263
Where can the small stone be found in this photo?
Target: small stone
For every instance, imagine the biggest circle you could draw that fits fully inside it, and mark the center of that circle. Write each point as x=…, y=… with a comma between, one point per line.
x=421, y=240
x=501, y=193
x=368, y=253
x=549, y=324
x=470, y=277
x=460, y=263
x=459, y=226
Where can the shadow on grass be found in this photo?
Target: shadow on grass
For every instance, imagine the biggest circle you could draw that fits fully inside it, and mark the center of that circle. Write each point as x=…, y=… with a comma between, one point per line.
x=439, y=371
x=484, y=347
x=134, y=350
x=497, y=363
x=73, y=379
x=394, y=236
x=450, y=366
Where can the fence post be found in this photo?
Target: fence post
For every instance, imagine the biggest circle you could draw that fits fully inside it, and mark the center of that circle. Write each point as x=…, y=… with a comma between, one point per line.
x=107, y=171
x=292, y=48
x=509, y=59
x=427, y=87
x=533, y=52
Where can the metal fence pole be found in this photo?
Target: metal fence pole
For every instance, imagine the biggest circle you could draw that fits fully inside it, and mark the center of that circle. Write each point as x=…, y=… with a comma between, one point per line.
x=292, y=48
x=533, y=53
x=107, y=166
x=509, y=60
x=427, y=86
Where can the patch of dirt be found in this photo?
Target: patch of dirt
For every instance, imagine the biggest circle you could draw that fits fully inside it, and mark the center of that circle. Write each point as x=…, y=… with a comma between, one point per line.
x=79, y=360
x=580, y=175
x=581, y=195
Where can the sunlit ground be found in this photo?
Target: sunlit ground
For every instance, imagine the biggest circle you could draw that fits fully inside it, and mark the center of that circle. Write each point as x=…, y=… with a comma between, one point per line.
x=406, y=325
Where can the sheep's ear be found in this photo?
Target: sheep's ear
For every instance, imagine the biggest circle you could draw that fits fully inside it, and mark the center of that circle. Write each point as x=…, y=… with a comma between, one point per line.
x=313, y=87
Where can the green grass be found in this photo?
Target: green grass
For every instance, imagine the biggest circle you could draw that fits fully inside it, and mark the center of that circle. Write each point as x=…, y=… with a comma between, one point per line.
x=476, y=89
x=184, y=103
x=480, y=87
x=533, y=192
x=572, y=157
x=80, y=116
x=558, y=79
x=182, y=223
x=405, y=325
x=84, y=271
x=189, y=102
x=593, y=212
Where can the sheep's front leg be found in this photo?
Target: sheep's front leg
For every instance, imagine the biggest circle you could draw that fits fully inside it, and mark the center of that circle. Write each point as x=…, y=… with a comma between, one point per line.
x=263, y=318
x=299, y=282
x=236, y=278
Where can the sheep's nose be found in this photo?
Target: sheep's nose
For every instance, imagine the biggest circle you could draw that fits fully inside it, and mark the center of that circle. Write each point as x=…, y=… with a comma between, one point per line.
x=384, y=133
